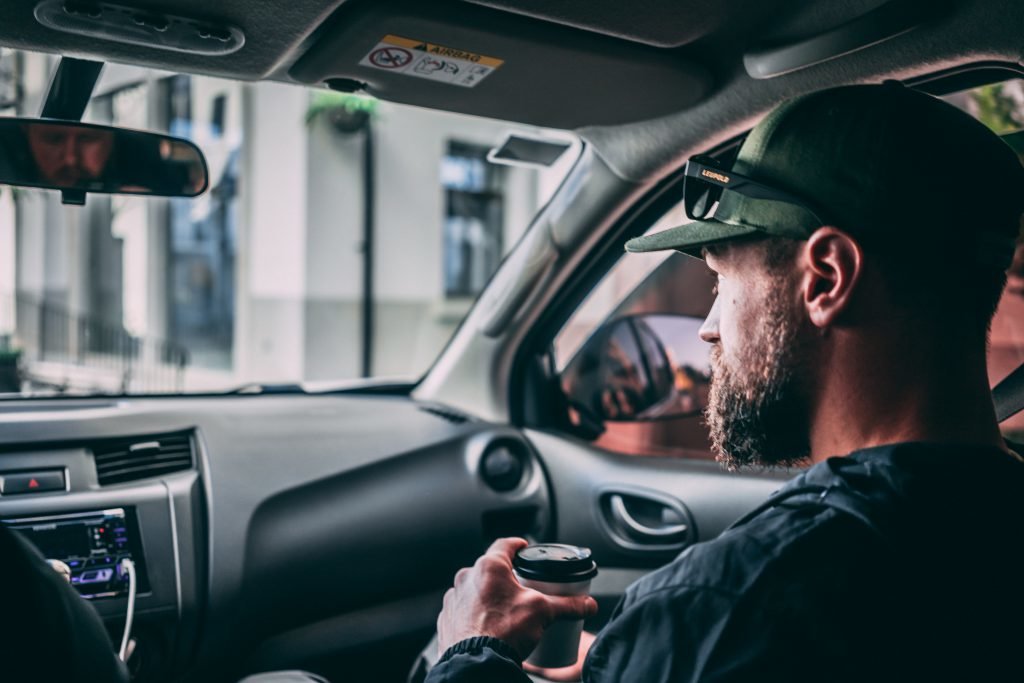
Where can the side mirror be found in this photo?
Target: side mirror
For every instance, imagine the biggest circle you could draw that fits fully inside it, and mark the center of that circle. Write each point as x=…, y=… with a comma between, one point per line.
x=77, y=158
x=640, y=368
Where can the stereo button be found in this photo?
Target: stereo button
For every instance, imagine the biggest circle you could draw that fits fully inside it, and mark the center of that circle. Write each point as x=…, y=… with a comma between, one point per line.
x=32, y=482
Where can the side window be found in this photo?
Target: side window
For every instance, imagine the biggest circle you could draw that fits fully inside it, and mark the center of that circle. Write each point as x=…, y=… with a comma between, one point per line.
x=1006, y=340
x=473, y=219
x=630, y=361
x=634, y=371
x=1000, y=106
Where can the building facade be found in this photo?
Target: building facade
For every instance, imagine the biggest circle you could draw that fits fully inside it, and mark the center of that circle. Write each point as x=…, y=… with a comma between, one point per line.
x=279, y=273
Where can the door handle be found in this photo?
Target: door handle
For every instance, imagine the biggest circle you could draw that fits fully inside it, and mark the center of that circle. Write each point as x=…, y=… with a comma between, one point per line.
x=621, y=512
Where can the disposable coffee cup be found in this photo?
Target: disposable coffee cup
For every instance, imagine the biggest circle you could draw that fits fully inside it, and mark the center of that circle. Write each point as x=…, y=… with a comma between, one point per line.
x=556, y=569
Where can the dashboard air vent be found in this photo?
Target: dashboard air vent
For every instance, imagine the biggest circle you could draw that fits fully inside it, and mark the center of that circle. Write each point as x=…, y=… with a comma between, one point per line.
x=449, y=414
x=504, y=464
x=129, y=459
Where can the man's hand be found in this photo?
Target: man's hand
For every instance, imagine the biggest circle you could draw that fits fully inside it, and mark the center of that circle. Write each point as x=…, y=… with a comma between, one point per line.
x=566, y=674
x=487, y=600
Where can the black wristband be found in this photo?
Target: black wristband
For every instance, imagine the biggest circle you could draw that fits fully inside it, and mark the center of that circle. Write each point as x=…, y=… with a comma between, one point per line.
x=472, y=646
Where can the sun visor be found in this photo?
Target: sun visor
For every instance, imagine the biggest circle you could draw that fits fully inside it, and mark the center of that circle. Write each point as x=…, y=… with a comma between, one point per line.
x=475, y=60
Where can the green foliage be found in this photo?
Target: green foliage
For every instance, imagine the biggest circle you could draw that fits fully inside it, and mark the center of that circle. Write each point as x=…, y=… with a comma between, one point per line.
x=327, y=102
x=997, y=110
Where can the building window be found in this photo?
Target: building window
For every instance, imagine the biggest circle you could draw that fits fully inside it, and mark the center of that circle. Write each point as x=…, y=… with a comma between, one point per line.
x=10, y=85
x=473, y=226
x=202, y=235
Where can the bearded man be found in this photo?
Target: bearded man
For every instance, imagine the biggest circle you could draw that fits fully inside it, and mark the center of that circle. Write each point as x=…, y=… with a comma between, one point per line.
x=860, y=242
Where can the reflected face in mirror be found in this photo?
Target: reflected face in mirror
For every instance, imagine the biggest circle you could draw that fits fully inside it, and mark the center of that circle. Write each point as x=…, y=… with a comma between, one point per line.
x=640, y=368
x=623, y=395
x=68, y=156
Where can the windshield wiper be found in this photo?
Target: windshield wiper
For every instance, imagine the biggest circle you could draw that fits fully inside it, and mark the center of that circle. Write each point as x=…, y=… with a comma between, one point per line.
x=377, y=385
x=258, y=388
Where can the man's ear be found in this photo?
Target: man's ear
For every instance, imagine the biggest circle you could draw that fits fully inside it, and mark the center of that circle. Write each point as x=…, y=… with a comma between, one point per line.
x=833, y=263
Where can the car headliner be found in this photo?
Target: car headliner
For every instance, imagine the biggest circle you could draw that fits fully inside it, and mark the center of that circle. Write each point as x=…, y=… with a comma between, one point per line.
x=704, y=39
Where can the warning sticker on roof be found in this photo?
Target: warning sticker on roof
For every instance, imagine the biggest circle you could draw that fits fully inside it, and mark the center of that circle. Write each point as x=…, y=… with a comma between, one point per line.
x=433, y=62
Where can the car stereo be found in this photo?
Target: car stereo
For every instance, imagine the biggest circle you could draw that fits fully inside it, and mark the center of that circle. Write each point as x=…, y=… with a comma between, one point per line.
x=91, y=544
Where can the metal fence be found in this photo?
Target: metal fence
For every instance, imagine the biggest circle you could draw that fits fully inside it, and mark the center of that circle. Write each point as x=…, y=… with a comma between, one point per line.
x=64, y=350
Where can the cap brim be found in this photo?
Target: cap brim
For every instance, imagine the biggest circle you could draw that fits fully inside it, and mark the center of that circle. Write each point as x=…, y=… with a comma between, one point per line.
x=690, y=238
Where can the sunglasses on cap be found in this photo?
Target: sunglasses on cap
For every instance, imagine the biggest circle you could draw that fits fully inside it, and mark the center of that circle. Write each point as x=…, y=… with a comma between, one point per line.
x=704, y=180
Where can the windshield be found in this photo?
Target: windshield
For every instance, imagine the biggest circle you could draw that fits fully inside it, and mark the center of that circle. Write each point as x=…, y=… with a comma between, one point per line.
x=341, y=238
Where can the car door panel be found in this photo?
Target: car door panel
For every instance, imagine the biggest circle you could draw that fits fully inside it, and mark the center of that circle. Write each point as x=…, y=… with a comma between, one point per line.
x=701, y=498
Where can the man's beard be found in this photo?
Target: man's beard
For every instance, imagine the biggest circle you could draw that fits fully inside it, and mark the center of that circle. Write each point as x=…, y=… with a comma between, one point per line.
x=759, y=412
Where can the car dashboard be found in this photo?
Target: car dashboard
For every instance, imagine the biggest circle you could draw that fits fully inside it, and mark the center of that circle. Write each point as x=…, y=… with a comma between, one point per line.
x=254, y=522
x=286, y=531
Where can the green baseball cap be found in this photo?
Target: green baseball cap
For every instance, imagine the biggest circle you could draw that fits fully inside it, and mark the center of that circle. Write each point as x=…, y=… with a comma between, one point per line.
x=886, y=164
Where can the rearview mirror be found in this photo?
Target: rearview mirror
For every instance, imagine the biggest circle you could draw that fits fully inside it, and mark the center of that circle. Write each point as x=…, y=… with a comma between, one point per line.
x=640, y=368
x=77, y=158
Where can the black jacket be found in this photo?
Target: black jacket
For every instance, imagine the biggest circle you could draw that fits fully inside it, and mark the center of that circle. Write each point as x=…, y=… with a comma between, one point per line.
x=896, y=563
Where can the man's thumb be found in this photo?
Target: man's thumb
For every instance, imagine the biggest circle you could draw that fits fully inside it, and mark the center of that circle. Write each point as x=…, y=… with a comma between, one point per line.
x=572, y=607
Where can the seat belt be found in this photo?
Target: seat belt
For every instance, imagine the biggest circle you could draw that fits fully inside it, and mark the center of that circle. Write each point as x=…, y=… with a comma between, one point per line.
x=1008, y=395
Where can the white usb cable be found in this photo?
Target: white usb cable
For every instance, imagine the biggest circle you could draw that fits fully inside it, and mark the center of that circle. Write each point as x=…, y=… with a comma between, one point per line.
x=126, y=566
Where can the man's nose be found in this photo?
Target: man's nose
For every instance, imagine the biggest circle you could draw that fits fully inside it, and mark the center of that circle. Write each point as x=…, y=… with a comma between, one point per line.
x=709, y=330
x=70, y=150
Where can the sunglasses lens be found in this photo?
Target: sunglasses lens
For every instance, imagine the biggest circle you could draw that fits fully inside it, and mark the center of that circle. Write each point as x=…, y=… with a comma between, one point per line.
x=699, y=197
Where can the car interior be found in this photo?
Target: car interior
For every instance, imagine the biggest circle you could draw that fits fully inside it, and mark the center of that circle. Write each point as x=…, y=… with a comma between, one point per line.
x=289, y=526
